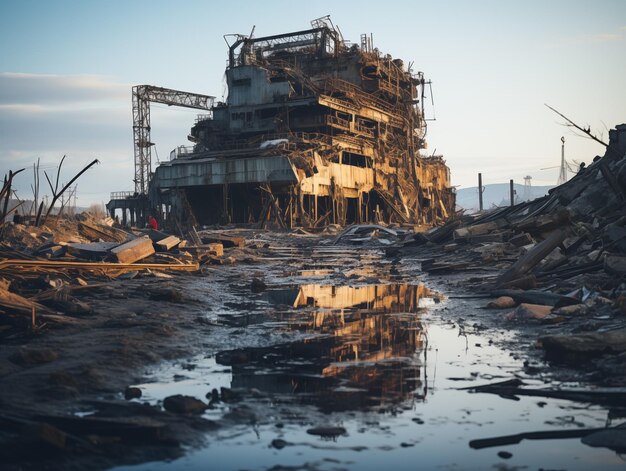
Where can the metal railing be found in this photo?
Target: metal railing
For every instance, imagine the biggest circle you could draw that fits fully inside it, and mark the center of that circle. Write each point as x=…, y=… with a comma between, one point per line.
x=181, y=151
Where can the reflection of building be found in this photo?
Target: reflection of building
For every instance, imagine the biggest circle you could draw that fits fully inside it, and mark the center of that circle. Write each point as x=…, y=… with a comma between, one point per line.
x=365, y=353
x=390, y=298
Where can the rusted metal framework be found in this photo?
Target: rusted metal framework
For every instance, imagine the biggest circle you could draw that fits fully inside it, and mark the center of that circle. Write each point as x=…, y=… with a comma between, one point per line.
x=142, y=96
x=314, y=131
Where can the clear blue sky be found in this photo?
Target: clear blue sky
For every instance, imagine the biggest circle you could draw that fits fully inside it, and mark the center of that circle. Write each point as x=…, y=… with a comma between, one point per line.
x=67, y=67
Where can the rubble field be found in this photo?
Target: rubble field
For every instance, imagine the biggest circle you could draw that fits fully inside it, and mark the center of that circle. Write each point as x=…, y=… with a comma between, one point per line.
x=486, y=340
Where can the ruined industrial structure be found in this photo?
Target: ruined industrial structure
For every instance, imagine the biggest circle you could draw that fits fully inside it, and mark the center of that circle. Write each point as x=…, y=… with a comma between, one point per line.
x=314, y=131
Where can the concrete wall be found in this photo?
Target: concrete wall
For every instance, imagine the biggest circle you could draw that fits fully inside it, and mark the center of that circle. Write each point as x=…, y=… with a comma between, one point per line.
x=204, y=172
x=250, y=85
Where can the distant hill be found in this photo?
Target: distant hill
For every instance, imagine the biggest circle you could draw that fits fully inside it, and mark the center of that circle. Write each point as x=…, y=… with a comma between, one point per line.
x=496, y=194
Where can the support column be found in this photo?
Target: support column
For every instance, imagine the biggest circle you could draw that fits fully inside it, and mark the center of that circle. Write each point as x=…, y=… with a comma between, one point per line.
x=480, y=191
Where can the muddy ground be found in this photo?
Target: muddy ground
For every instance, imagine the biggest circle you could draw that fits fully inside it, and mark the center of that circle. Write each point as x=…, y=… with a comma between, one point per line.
x=305, y=355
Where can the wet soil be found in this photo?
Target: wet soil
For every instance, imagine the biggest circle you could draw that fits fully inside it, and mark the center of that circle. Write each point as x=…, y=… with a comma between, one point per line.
x=340, y=359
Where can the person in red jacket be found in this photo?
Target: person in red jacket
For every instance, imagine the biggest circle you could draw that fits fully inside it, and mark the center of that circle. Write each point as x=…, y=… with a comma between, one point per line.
x=153, y=223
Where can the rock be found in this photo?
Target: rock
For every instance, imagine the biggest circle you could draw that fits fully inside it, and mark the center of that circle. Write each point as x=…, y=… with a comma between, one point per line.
x=44, y=433
x=229, y=395
x=596, y=343
x=529, y=311
x=620, y=303
x=180, y=404
x=60, y=392
x=241, y=415
x=132, y=392
x=573, y=310
x=232, y=357
x=171, y=295
x=213, y=396
x=614, y=439
x=32, y=357
x=258, y=285
x=503, y=302
x=327, y=432
x=279, y=444
x=62, y=378
x=615, y=265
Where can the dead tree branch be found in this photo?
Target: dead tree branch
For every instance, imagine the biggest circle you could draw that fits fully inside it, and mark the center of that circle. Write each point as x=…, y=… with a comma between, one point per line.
x=5, y=192
x=572, y=123
x=57, y=194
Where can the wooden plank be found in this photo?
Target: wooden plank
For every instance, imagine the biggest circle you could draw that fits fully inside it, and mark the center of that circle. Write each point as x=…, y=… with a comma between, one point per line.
x=528, y=261
x=132, y=251
x=478, y=229
x=226, y=240
x=168, y=243
x=97, y=266
x=216, y=250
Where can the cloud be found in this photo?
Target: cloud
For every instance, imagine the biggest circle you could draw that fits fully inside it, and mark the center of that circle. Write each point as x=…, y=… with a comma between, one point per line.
x=602, y=37
x=85, y=117
x=41, y=89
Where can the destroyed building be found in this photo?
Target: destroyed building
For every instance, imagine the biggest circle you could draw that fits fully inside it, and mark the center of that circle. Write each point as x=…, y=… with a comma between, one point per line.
x=314, y=131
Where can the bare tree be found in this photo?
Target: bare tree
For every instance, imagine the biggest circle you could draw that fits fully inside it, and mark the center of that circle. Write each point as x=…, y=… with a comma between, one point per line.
x=56, y=193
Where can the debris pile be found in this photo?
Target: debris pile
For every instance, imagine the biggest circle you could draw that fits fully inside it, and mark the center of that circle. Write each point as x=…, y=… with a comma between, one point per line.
x=370, y=235
x=560, y=259
x=45, y=268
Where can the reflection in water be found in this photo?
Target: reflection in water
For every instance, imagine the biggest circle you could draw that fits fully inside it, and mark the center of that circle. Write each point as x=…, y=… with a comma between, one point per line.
x=365, y=352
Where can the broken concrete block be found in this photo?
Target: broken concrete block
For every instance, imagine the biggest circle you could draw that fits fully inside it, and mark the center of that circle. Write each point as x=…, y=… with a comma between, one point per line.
x=132, y=251
x=478, y=229
x=184, y=404
x=522, y=239
x=615, y=264
x=92, y=251
x=54, y=251
x=529, y=311
x=613, y=341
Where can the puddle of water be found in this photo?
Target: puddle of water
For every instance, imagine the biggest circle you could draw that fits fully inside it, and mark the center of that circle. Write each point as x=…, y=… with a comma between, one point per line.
x=372, y=360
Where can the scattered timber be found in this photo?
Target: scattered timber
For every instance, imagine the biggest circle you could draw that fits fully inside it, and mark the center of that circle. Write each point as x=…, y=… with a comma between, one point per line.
x=133, y=251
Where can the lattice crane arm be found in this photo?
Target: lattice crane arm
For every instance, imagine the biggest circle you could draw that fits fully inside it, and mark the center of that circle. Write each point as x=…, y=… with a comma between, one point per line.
x=142, y=96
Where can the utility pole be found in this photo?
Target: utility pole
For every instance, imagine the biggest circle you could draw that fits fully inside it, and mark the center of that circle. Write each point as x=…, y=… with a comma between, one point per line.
x=512, y=191
x=527, y=187
x=480, y=191
x=563, y=173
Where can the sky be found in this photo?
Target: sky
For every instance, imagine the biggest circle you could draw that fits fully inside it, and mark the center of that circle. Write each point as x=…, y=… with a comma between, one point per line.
x=67, y=68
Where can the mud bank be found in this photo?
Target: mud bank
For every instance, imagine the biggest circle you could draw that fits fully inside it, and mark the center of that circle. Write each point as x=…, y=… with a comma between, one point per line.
x=305, y=356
